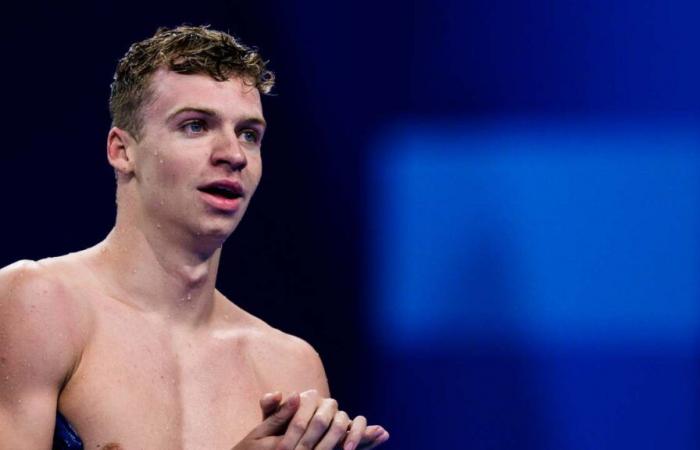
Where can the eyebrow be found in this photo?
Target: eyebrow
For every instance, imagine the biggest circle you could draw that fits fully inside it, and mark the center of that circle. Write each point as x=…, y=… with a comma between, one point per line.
x=253, y=120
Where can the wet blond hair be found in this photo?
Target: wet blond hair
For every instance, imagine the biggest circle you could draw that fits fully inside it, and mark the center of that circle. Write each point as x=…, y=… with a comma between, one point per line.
x=185, y=49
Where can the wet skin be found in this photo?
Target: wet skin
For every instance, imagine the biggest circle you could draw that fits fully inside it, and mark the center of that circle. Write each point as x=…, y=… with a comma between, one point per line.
x=129, y=339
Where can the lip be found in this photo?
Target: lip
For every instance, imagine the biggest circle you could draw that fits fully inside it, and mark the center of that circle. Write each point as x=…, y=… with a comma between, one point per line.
x=223, y=203
x=234, y=186
x=220, y=203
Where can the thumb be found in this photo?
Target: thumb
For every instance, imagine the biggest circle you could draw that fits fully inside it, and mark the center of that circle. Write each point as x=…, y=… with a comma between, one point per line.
x=277, y=422
x=269, y=403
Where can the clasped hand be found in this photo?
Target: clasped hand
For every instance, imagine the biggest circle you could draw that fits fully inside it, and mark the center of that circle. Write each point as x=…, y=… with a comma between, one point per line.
x=308, y=421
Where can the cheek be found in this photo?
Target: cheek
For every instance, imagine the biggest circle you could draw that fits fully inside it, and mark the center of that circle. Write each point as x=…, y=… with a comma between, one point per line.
x=163, y=164
x=171, y=172
x=254, y=171
x=164, y=182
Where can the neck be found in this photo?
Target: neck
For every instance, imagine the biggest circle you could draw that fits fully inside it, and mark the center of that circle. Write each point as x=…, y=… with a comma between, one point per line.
x=159, y=273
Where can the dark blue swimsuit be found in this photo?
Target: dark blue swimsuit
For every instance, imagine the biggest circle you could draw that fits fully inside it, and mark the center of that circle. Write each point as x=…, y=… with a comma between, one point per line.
x=64, y=436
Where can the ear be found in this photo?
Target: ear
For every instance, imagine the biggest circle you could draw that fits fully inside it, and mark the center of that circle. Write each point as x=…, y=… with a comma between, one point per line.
x=120, y=146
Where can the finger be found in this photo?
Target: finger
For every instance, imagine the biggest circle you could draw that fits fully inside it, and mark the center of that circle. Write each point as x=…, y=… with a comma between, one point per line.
x=266, y=443
x=318, y=424
x=269, y=403
x=370, y=434
x=378, y=436
x=309, y=401
x=276, y=423
x=357, y=429
x=336, y=432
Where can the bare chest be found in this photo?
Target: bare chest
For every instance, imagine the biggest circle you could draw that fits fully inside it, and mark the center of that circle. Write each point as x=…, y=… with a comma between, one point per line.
x=142, y=386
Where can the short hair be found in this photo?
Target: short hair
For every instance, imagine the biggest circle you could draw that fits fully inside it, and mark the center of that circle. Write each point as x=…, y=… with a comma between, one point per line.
x=185, y=49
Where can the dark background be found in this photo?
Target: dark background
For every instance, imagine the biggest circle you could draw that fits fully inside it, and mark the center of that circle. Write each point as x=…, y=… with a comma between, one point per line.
x=346, y=72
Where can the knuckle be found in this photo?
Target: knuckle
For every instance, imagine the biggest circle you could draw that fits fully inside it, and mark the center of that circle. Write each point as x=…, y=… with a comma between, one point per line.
x=297, y=427
x=318, y=424
x=359, y=422
x=333, y=403
x=344, y=417
x=336, y=435
x=308, y=397
x=357, y=426
x=340, y=425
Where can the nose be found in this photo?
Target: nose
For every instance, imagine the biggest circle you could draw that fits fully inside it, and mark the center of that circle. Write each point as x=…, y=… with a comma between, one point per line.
x=229, y=151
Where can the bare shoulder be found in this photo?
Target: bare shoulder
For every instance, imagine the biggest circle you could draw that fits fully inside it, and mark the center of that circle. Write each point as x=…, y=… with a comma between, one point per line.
x=27, y=285
x=292, y=362
x=285, y=362
x=36, y=286
x=38, y=318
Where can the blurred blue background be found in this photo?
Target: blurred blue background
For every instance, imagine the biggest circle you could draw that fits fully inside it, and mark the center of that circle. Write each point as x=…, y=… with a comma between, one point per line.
x=537, y=282
x=483, y=214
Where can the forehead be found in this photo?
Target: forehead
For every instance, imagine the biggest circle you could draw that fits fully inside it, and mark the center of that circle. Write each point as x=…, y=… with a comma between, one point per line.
x=171, y=91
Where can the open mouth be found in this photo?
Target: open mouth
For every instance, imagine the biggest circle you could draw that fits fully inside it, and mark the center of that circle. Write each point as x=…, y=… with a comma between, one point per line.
x=223, y=189
x=219, y=191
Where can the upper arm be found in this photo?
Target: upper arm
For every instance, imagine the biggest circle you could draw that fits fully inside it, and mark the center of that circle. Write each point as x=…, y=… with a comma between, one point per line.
x=37, y=353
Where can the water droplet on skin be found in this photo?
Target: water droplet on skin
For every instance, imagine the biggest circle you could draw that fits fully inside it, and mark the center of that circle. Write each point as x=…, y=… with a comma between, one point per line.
x=160, y=161
x=158, y=226
x=189, y=296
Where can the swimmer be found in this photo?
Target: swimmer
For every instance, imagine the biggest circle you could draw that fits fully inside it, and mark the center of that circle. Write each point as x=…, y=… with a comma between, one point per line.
x=130, y=340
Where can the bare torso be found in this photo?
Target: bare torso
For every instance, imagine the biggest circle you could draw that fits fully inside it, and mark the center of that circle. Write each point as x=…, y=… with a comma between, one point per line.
x=141, y=381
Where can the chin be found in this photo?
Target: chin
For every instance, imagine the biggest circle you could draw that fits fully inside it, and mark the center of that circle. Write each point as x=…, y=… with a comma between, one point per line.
x=216, y=231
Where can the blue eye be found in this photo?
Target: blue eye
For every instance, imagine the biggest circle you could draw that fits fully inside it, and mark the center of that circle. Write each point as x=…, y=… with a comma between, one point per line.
x=194, y=127
x=250, y=136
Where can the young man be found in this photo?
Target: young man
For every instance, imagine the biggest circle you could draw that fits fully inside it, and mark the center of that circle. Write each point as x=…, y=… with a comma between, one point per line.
x=130, y=340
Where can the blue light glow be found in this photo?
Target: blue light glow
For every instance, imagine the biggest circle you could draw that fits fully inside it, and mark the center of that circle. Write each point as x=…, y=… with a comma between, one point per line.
x=548, y=234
